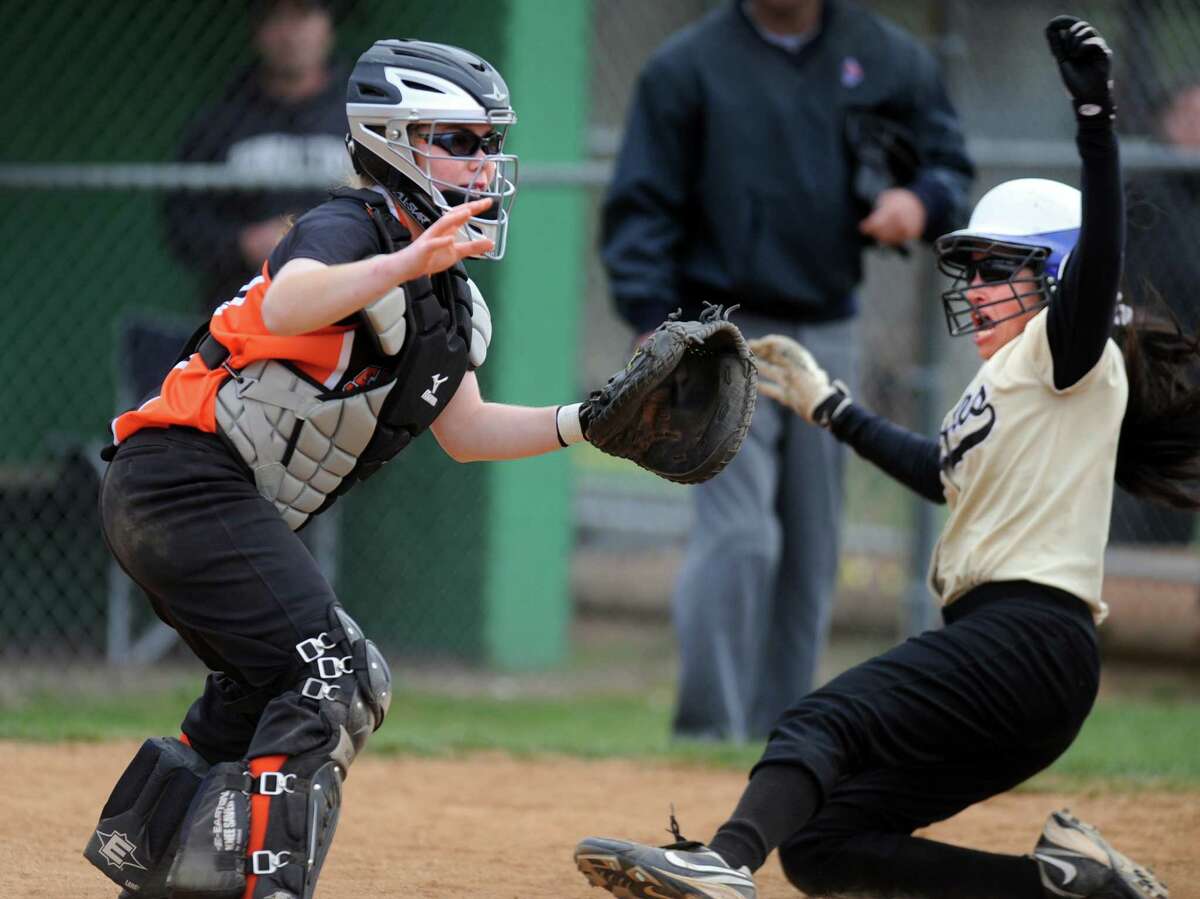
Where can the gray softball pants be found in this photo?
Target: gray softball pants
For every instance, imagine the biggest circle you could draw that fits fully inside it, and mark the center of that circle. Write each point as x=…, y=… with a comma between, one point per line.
x=753, y=599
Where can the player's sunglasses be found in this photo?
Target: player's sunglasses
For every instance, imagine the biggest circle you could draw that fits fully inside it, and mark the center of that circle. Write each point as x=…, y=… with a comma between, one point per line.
x=991, y=269
x=462, y=142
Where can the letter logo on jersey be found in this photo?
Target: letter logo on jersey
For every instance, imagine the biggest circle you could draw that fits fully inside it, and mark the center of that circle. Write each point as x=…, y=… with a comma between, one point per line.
x=967, y=426
x=363, y=379
x=118, y=850
x=430, y=395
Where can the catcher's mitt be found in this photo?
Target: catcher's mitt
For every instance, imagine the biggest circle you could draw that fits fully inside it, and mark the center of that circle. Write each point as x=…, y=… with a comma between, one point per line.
x=681, y=406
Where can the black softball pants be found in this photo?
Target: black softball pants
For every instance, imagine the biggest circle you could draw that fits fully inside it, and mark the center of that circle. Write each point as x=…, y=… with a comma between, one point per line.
x=186, y=523
x=916, y=735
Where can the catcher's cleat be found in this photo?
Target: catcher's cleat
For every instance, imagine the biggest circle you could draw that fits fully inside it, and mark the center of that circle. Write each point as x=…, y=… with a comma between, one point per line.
x=1077, y=863
x=683, y=870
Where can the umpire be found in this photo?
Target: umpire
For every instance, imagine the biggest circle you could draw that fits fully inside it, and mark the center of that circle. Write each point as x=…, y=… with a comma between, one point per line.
x=767, y=144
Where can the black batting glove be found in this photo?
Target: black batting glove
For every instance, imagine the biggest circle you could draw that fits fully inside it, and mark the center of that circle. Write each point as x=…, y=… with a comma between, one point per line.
x=1085, y=62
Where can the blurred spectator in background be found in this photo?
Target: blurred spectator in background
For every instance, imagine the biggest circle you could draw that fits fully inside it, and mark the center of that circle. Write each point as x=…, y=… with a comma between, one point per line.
x=1163, y=257
x=766, y=144
x=285, y=112
x=1162, y=241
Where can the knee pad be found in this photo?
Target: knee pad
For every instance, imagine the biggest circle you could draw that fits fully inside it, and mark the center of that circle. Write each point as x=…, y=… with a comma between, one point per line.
x=347, y=682
x=316, y=730
x=138, y=832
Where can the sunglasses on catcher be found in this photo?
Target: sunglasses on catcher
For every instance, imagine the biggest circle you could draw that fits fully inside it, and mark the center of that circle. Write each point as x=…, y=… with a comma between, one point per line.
x=464, y=143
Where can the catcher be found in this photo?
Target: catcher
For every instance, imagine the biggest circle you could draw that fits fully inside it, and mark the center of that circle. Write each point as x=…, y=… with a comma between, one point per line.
x=1025, y=461
x=362, y=331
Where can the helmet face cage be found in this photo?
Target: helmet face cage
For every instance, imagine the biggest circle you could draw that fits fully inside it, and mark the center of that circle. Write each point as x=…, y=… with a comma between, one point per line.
x=957, y=256
x=391, y=141
x=501, y=187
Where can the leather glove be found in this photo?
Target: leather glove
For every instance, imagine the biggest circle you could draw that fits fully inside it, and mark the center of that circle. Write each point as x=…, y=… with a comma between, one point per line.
x=1085, y=63
x=681, y=407
x=788, y=374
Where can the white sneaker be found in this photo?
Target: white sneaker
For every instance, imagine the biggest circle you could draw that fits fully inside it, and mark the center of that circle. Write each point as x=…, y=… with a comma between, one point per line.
x=1077, y=863
x=683, y=870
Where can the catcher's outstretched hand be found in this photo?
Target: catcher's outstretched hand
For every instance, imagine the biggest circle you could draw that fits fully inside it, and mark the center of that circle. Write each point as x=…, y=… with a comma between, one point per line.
x=1085, y=63
x=788, y=374
x=440, y=246
x=682, y=405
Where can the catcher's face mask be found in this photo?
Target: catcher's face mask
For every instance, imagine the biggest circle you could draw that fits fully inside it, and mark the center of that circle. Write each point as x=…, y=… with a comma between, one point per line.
x=993, y=283
x=464, y=162
x=417, y=108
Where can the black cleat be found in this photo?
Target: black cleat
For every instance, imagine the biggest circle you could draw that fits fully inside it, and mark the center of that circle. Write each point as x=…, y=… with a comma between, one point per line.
x=682, y=870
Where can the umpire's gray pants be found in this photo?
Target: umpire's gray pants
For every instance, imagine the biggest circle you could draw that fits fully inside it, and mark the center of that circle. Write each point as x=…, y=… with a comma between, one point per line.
x=753, y=599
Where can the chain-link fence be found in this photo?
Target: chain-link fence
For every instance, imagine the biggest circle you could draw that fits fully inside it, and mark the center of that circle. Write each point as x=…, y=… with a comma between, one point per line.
x=147, y=165
x=126, y=214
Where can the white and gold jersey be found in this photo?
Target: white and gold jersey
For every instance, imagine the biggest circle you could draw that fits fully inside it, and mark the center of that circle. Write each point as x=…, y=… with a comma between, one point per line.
x=1027, y=471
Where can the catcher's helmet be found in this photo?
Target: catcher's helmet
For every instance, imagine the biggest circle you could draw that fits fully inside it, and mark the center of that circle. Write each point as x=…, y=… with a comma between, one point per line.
x=1027, y=223
x=399, y=84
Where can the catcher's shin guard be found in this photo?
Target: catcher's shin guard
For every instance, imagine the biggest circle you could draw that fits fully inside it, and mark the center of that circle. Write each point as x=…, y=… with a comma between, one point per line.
x=262, y=828
x=138, y=832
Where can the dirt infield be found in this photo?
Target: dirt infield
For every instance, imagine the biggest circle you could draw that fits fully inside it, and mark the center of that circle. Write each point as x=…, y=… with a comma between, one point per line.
x=495, y=826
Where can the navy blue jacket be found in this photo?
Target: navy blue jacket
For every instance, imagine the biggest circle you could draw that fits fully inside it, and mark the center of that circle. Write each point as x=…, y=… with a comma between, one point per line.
x=734, y=181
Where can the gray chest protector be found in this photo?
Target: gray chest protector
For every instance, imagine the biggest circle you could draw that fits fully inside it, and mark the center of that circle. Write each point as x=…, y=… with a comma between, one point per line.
x=305, y=444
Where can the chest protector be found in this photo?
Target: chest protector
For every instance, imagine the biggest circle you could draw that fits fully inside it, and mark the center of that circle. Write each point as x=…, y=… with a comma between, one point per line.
x=305, y=444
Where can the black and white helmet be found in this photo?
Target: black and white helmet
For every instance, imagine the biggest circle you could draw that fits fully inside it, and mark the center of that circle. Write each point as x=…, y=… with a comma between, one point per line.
x=400, y=89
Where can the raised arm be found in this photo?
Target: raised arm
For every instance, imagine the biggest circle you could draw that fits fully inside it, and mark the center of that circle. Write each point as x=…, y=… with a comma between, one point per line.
x=1081, y=314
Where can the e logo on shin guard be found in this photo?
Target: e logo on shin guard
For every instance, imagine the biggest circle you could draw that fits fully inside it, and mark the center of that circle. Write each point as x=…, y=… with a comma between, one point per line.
x=118, y=850
x=134, y=841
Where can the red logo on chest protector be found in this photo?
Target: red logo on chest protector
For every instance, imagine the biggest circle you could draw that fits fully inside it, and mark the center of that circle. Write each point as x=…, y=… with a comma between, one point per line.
x=363, y=379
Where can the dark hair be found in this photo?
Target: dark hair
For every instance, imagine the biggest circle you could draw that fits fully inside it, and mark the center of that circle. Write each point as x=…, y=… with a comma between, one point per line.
x=260, y=10
x=1158, y=456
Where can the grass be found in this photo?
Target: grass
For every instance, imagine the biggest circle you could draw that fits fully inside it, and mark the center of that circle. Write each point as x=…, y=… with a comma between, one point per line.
x=1128, y=743
x=1135, y=742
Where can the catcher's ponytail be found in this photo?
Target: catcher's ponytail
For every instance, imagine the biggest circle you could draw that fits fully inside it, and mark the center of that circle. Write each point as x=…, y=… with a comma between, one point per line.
x=1158, y=456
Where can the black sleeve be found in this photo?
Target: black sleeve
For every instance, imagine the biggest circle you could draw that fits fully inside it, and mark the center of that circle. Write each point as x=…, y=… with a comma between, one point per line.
x=1081, y=313
x=911, y=459
x=335, y=232
x=201, y=231
x=644, y=211
x=946, y=172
